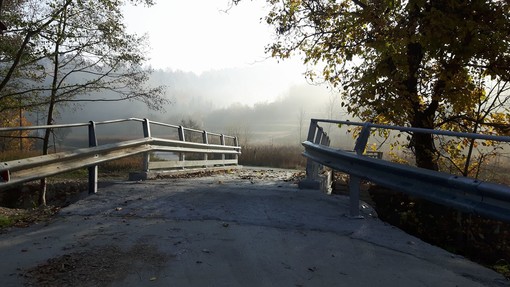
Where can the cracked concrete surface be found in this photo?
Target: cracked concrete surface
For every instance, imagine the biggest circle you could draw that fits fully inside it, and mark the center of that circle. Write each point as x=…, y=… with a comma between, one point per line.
x=249, y=227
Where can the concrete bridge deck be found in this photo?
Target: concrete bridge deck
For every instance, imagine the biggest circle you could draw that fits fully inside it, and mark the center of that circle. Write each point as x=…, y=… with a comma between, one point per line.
x=245, y=228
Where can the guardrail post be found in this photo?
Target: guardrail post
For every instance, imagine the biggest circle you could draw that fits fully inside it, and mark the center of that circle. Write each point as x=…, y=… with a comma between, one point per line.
x=354, y=185
x=325, y=139
x=92, y=169
x=361, y=142
x=236, y=143
x=182, y=156
x=319, y=135
x=355, y=181
x=315, y=167
x=205, y=140
x=312, y=168
x=146, y=128
x=312, y=130
x=146, y=134
x=222, y=142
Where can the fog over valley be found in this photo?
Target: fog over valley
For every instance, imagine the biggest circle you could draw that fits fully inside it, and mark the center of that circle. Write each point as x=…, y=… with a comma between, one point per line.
x=218, y=77
x=262, y=104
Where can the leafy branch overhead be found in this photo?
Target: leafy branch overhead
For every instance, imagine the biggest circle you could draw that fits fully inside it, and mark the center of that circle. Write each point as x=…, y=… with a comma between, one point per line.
x=82, y=44
x=419, y=63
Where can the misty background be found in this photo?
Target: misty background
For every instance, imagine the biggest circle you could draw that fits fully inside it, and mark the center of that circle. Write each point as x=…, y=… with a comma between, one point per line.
x=261, y=105
x=220, y=78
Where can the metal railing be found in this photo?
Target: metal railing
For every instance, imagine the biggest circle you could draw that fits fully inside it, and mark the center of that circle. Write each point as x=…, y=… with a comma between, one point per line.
x=467, y=194
x=28, y=169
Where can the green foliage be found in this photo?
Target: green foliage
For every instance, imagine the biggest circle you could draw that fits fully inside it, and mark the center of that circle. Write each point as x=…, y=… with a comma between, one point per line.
x=417, y=63
x=5, y=221
x=503, y=267
x=14, y=140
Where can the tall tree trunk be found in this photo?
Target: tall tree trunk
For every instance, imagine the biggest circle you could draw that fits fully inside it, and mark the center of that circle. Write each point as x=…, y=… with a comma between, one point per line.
x=46, y=144
x=423, y=144
x=421, y=117
x=53, y=99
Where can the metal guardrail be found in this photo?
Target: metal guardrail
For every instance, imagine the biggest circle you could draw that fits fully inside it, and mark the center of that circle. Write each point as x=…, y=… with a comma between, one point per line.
x=467, y=194
x=24, y=170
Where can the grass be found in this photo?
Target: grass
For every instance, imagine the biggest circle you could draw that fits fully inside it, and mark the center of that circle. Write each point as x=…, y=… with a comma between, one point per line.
x=503, y=267
x=25, y=217
x=127, y=164
x=73, y=174
x=16, y=154
x=273, y=156
x=118, y=167
x=6, y=221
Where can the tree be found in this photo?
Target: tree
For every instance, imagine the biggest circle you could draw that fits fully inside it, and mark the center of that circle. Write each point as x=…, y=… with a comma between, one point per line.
x=81, y=49
x=301, y=122
x=487, y=114
x=18, y=55
x=410, y=63
x=12, y=141
x=242, y=131
x=190, y=123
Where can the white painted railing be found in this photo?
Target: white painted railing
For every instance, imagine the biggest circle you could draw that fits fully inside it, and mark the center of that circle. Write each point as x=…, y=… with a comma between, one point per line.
x=24, y=170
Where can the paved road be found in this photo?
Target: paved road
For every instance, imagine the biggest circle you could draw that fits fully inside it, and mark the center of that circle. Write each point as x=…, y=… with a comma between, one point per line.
x=246, y=228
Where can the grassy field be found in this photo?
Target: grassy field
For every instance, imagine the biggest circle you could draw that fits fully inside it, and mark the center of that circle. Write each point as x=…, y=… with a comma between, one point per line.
x=273, y=156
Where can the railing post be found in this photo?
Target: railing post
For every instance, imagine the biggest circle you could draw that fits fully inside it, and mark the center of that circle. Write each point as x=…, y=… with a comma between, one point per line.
x=325, y=139
x=146, y=128
x=354, y=185
x=355, y=181
x=146, y=134
x=92, y=169
x=236, y=143
x=205, y=140
x=312, y=130
x=315, y=167
x=361, y=142
x=182, y=156
x=222, y=142
x=312, y=168
x=319, y=135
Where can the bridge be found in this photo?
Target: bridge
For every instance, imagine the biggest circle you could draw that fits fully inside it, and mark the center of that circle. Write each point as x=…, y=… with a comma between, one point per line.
x=239, y=226
x=246, y=227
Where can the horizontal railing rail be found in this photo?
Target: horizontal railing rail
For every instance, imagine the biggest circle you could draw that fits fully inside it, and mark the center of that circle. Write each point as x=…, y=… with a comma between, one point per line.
x=416, y=130
x=20, y=171
x=73, y=125
x=464, y=193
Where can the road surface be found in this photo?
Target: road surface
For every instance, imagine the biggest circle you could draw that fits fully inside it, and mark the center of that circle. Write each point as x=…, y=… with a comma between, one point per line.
x=243, y=228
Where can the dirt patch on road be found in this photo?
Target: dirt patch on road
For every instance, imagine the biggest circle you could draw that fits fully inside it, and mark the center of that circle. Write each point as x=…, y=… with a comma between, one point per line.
x=14, y=217
x=99, y=266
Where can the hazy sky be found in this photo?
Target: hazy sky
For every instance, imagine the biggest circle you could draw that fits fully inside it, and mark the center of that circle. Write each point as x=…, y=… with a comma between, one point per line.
x=198, y=35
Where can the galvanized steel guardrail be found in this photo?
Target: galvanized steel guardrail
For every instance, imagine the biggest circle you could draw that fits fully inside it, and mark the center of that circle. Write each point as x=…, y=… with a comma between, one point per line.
x=467, y=194
x=24, y=170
